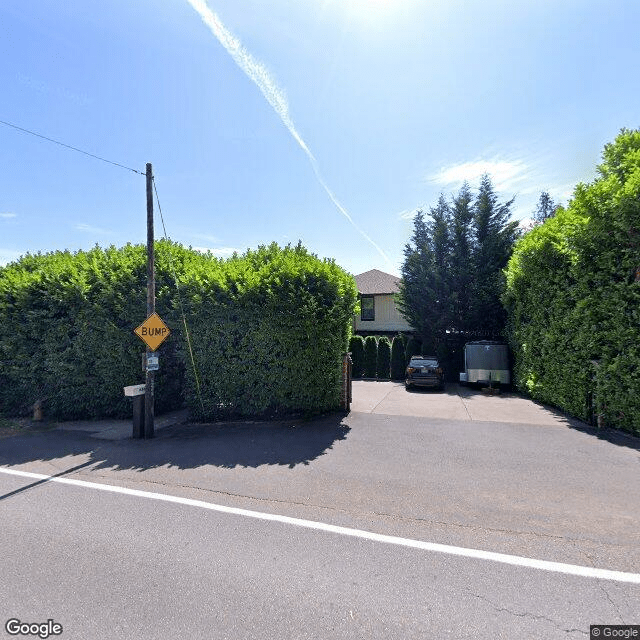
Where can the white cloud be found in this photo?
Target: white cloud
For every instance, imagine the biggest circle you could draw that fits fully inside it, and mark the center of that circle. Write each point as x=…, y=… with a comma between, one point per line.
x=523, y=211
x=563, y=193
x=504, y=173
x=8, y=215
x=89, y=229
x=219, y=252
x=526, y=224
x=9, y=255
x=205, y=236
x=560, y=193
x=410, y=214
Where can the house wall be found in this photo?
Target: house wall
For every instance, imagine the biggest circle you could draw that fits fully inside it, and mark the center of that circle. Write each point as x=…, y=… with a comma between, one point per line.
x=387, y=317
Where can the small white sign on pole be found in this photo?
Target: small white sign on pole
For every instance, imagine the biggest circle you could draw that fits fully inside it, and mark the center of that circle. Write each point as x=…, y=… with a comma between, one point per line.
x=152, y=362
x=134, y=390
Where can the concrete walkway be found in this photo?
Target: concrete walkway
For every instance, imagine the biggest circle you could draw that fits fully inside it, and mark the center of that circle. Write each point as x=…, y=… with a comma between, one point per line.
x=120, y=429
x=382, y=398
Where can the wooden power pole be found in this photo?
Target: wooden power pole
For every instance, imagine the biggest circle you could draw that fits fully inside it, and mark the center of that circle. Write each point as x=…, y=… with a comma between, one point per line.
x=151, y=307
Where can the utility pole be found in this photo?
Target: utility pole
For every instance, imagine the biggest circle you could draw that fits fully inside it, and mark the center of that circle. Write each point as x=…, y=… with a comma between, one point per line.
x=151, y=307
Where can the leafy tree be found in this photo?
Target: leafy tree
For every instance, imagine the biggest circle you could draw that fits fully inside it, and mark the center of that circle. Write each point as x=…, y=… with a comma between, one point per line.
x=398, y=363
x=545, y=209
x=356, y=347
x=370, y=356
x=383, y=360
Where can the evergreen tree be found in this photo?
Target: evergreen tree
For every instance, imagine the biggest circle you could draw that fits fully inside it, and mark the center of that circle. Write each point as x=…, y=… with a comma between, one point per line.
x=414, y=348
x=493, y=239
x=383, y=360
x=545, y=209
x=370, y=356
x=356, y=347
x=440, y=238
x=461, y=275
x=452, y=274
x=417, y=297
x=398, y=364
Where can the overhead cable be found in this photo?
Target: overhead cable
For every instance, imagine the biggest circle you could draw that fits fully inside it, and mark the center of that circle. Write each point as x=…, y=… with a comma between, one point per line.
x=68, y=146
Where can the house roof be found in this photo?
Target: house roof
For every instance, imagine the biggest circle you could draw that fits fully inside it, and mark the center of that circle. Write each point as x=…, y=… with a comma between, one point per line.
x=375, y=281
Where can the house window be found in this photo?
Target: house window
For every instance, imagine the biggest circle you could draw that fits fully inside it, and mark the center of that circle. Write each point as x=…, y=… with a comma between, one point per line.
x=367, y=308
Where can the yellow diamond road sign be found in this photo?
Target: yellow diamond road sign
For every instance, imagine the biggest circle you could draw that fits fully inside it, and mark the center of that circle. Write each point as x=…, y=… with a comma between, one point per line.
x=153, y=331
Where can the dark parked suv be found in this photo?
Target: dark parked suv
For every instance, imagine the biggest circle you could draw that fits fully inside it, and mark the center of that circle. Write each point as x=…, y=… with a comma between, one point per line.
x=424, y=371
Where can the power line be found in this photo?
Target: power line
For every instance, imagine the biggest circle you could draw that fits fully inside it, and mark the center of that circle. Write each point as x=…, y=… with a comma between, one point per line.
x=68, y=146
x=184, y=319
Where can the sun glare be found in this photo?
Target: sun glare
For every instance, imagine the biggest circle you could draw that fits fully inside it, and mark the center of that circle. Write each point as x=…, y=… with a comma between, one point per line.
x=364, y=5
x=373, y=10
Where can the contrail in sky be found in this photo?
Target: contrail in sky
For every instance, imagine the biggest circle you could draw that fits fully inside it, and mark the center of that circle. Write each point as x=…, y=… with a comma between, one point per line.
x=259, y=74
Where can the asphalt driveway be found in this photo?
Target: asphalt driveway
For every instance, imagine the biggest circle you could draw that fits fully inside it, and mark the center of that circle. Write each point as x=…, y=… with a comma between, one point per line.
x=457, y=402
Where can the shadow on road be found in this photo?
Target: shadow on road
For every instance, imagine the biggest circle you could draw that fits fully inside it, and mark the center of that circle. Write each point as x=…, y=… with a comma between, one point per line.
x=613, y=436
x=38, y=482
x=188, y=446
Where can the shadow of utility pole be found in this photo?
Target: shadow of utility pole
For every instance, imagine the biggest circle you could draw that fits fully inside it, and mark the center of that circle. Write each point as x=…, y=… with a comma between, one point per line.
x=35, y=484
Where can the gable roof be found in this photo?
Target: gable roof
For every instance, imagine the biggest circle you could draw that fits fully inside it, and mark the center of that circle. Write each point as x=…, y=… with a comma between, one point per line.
x=375, y=281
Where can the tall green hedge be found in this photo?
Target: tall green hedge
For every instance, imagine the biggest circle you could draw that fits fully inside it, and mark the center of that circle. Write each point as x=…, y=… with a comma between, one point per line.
x=271, y=329
x=268, y=329
x=370, y=356
x=573, y=297
x=356, y=347
x=383, y=359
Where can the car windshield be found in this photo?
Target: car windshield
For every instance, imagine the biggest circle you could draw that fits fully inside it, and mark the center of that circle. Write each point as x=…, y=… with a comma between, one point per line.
x=423, y=362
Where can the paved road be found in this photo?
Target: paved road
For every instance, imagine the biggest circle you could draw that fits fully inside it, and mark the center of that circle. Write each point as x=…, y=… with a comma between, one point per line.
x=119, y=566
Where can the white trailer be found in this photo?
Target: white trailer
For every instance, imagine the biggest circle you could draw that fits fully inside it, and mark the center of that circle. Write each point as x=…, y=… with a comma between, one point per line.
x=486, y=362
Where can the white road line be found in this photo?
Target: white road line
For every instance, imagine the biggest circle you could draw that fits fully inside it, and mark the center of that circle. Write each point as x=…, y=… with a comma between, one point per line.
x=518, y=561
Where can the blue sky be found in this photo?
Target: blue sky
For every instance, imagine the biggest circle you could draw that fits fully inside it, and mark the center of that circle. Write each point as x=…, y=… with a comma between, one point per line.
x=328, y=121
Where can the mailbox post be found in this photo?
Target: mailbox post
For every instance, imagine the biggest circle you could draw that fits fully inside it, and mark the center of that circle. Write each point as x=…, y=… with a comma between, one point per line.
x=137, y=393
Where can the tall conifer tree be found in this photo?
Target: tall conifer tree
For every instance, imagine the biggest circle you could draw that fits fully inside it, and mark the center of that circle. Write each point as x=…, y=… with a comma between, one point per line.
x=417, y=297
x=452, y=274
x=493, y=238
x=461, y=275
x=440, y=238
x=545, y=209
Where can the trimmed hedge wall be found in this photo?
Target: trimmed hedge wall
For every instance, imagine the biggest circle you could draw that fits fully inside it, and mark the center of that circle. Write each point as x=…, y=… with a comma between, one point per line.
x=573, y=297
x=269, y=328
x=66, y=336
x=268, y=331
